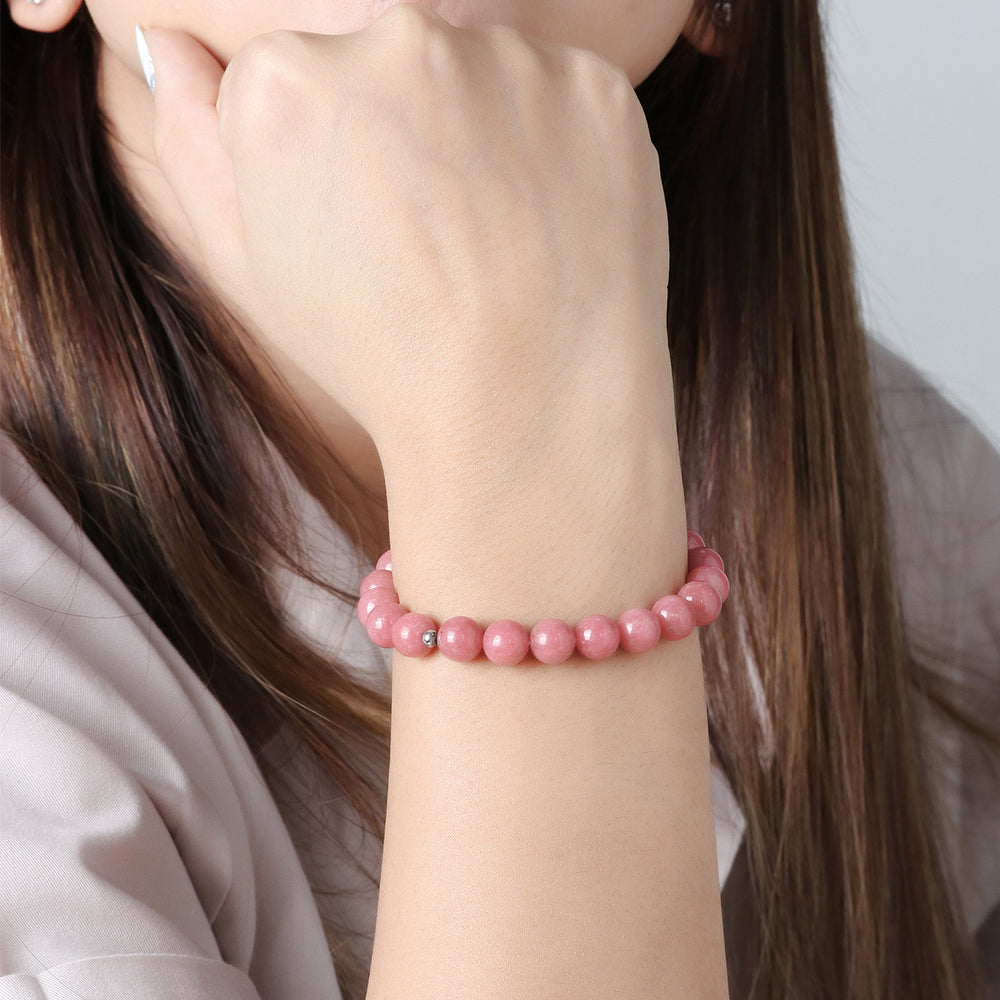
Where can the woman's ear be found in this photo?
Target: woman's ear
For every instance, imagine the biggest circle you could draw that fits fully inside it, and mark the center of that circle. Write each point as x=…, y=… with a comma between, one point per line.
x=43, y=15
x=707, y=25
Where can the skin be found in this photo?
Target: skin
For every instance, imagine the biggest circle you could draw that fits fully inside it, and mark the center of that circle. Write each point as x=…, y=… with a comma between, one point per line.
x=490, y=206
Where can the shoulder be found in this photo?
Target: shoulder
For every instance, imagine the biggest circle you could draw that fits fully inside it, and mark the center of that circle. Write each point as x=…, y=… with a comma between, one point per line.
x=924, y=434
x=141, y=818
x=78, y=646
x=943, y=485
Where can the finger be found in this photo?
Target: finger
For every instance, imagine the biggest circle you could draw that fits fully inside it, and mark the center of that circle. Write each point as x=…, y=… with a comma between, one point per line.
x=186, y=140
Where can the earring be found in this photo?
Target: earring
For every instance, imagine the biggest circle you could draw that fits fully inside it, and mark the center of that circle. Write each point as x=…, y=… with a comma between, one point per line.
x=722, y=14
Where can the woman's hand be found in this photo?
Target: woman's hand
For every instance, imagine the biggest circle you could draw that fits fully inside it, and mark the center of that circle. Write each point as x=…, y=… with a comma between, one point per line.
x=447, y=229
x=460, y=236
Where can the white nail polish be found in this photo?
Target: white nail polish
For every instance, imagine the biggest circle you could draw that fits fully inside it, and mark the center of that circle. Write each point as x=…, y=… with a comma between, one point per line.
x=145, y=58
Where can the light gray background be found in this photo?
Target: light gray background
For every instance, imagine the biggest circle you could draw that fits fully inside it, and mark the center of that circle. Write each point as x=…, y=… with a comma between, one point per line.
x=917, y=94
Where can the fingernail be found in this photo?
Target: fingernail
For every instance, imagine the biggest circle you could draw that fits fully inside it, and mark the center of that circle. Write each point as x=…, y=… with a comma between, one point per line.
x=145, y=58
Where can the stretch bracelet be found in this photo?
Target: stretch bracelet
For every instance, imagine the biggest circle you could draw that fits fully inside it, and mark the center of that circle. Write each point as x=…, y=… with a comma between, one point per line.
x=596, y=637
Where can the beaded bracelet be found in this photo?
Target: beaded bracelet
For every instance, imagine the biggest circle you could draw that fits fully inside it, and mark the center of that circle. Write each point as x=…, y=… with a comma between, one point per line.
x=596, y=637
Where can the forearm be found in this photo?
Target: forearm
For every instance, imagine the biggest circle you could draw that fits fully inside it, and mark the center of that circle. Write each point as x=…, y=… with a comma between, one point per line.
x=549, y=828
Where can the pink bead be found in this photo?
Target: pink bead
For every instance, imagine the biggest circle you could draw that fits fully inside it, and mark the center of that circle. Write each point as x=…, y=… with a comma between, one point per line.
x=704, y=601
x=597, y=637
x=460, y=639
x=371, y=599
x=675, y=615
x=552, y=641
x=695, y=541
x=380, y=624
x=408, y=631
x=639, y=629
x=385, y=560
x=506, y=642
x=713, y=577
x=378, y=579
x=705, y=556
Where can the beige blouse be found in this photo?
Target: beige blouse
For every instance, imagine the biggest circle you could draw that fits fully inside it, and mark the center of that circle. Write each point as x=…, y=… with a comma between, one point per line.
x=141, y=853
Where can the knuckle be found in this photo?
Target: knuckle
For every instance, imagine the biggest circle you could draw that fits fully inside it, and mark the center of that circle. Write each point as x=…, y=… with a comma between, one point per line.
x=407, y=18
x=270, y=64
x=608, y=92
x=506, y=38
x=516, y=51
x=264, y=82
x=418, y=36
x=603, y=80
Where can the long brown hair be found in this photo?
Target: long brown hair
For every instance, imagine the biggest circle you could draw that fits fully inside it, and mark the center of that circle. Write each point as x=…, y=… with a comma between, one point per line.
x=847, y=894
x=127, y=388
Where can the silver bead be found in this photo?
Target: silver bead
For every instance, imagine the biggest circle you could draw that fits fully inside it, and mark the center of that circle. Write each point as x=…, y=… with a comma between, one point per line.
x=722, y=14
x=430, y=638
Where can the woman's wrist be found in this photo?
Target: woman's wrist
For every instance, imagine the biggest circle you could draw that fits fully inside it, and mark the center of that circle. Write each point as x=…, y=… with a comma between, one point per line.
x=557, y=519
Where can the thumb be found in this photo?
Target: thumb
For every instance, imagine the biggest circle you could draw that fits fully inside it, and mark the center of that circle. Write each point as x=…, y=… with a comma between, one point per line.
x=184, y=78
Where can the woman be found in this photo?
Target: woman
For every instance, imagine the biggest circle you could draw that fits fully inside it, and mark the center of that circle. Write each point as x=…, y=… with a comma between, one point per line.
x=406, y=276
